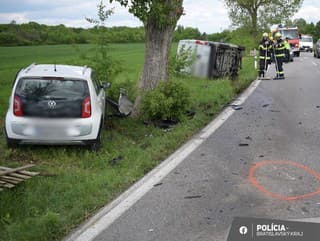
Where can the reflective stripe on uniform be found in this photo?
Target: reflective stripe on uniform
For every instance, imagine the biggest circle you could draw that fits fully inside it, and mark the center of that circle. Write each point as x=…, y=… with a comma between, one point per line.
x=263, y=57
x=280, y=55
x=262, y=47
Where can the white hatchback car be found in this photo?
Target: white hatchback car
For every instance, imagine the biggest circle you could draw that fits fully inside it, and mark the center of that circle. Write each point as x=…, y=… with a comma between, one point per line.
x=56, y=104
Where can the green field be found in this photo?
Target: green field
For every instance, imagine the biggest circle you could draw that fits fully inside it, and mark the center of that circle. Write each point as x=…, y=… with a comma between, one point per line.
x=74, y=183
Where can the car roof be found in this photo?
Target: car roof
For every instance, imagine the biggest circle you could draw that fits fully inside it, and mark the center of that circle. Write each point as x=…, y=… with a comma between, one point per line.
x=53, y=70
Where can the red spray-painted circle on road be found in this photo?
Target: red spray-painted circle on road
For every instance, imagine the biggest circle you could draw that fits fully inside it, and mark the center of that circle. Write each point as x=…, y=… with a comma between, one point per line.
x=254, y=181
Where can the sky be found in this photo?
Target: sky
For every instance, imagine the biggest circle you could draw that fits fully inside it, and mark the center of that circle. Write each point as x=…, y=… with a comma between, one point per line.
x=208, y=16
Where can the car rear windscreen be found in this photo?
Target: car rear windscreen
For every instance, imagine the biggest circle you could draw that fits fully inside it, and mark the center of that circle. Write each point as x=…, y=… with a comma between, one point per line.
x=52, y=97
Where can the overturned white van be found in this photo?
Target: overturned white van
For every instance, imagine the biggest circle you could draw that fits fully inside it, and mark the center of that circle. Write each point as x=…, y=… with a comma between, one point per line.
x=212, y=59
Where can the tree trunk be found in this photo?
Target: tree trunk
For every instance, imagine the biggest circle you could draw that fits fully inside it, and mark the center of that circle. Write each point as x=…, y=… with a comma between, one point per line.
x=254, y=25
x=155, y=68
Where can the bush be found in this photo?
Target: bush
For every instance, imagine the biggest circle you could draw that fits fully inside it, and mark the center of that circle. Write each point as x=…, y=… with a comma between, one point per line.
x=180, y=63
x=168, y=101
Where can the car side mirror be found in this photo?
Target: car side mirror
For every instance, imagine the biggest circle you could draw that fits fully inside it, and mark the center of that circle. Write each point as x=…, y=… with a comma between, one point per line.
x=106, y=85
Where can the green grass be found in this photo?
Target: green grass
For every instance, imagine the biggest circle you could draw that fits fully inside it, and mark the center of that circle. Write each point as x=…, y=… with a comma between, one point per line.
x=74, y=182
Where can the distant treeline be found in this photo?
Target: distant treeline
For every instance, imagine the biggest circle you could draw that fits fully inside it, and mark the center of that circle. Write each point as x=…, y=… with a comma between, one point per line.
x=33, y=33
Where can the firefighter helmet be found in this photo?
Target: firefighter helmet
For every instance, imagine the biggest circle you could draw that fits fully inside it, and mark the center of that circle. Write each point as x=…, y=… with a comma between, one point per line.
x=265, y=35
x=278, y=35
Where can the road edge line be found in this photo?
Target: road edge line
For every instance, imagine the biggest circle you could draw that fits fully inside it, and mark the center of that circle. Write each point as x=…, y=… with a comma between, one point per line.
x=112, y=211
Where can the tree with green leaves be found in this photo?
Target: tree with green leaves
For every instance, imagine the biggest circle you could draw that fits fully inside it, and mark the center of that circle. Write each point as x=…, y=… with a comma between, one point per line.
x=260, y=14
x=159, y=18
x=301, y=24
x=105, y=66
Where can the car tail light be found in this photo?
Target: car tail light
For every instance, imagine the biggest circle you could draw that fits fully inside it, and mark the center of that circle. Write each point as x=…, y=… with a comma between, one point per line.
x=86, y=108
x=297, y=45
x=17, y=106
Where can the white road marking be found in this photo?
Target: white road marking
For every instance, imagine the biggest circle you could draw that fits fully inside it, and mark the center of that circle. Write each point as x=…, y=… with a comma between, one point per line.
x=104, y=218
x=315, y=64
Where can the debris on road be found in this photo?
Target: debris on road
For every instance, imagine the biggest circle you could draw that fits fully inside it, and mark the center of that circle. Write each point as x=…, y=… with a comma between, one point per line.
x=9, y=177
x=249, y=138
x=158, y=184
x=266, y=105
x=236, y=107
x=115, y=160
x=124, y=104
x=190, y=114
x=277, y=111
x=162, y=124
x=243, y=144
x=192, y=197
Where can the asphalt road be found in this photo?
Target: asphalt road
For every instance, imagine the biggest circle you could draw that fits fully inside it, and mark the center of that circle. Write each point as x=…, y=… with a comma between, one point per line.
x=278, y=130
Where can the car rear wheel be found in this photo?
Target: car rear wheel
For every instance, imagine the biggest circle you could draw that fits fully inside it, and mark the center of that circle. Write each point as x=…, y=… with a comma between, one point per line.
x=11, y=143
x=95, y=145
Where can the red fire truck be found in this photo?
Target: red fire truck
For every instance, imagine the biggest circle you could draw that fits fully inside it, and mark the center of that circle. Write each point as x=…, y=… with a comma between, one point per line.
x=293, y=37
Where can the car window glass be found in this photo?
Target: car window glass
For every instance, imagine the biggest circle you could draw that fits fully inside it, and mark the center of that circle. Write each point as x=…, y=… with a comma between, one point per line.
x=52, y=88
x=96, y=83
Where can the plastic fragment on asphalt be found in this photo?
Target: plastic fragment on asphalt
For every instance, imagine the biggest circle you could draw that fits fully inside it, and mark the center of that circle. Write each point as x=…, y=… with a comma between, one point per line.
x=236, y=107
x=243, y=144
x=192, y=197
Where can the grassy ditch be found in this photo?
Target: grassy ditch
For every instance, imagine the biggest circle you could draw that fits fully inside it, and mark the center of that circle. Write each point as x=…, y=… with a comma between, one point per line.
x=74, y=183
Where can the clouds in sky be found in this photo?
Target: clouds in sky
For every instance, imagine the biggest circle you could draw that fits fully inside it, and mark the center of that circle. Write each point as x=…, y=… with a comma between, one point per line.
x=207, y=15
